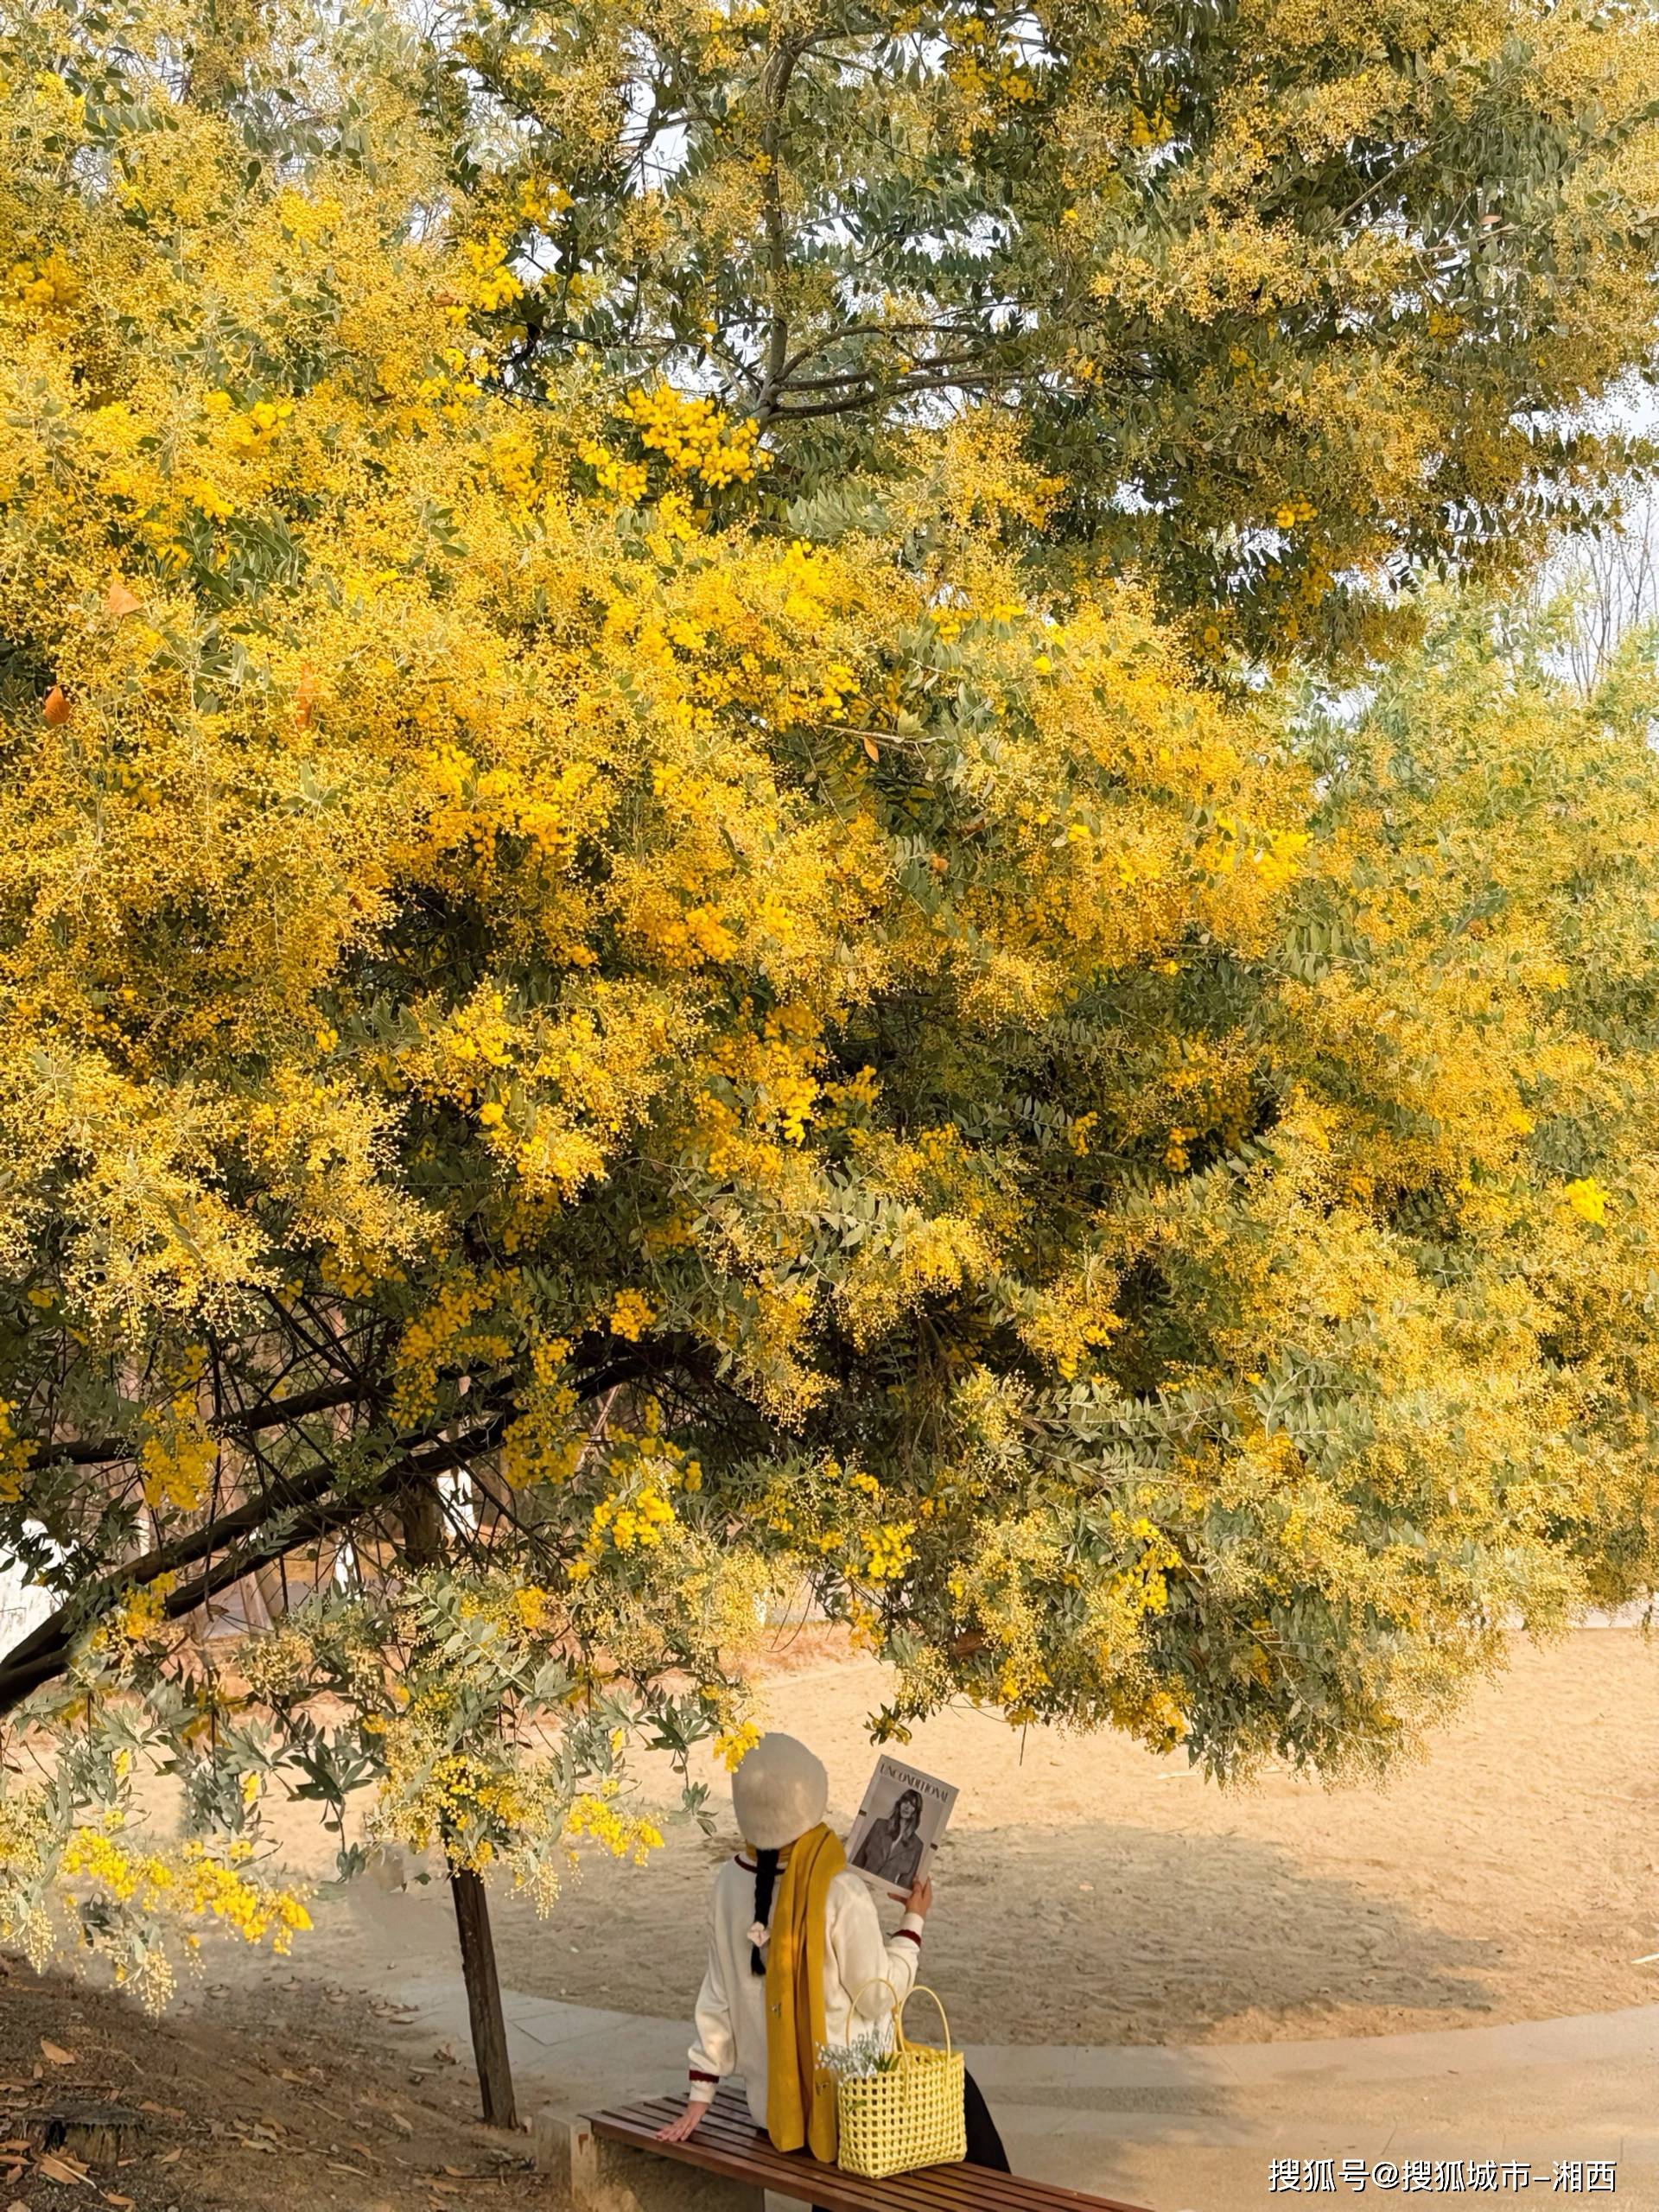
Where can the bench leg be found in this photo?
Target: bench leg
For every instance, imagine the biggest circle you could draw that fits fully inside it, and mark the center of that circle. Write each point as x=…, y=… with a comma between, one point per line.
x=597, y=2177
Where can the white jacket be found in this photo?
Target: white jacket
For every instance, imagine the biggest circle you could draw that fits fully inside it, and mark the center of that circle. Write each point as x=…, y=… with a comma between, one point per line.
x=731, y=2005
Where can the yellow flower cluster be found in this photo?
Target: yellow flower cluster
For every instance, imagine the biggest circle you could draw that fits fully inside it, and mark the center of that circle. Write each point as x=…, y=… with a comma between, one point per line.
x=887, y=1551
x=695, y=436
x=595, y=1818
x=630, y=1315
x=196, y=1881
x=536, y=1609
x=447, y=1333
x=622, y=478
x=493, y=283
x=306, y=218
x=25, y=1851
x=217, y=1887
x=1587, y=1199
x=41, y=286
x=643, y=1519
x=733, y=1745
x=138, y=1621
x=979, y=71
x=252, y=429
x=177, y=1456
x=625, y=481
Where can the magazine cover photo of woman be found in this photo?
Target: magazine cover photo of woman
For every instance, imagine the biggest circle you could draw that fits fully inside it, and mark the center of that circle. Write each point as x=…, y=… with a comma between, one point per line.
x=892, y=1849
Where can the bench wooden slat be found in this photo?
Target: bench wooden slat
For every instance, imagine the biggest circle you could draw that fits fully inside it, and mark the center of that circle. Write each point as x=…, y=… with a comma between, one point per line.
x=729, y=2126
x=933, y=2189
x=728, y=2142
x=741, y=2153
x=940, y=2186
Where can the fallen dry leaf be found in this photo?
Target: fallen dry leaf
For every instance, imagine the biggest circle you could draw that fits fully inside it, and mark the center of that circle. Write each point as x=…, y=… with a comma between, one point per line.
x=114, y=2196
x=17, y=2205
x=335, y=2167
x=57, y=2054
x=58, y=2166
x=170, y=2157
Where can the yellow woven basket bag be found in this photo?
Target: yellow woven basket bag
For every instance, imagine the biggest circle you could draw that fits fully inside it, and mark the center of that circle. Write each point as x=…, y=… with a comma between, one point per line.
x=911, y=2114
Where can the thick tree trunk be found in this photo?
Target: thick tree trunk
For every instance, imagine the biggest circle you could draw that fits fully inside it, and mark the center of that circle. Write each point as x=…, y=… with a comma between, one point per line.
x=483, y=1998
x=423, y=1543
x=271, y=1582
x=422, y=1519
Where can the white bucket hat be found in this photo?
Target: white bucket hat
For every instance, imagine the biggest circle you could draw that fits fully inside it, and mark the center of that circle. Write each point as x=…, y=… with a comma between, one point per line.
x=779, y=1792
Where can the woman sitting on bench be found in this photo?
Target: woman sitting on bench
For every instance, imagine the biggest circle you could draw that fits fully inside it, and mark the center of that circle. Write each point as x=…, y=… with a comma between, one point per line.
x=794, y=1948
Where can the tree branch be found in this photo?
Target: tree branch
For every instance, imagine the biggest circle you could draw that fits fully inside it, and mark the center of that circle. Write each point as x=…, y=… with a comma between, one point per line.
x=901, y=390
x=295, y=1509
x=108, y=1450
x=775, y=84
x=302, y=1515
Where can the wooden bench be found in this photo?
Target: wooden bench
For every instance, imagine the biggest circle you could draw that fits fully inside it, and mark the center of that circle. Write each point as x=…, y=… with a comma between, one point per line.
x=612, y=2163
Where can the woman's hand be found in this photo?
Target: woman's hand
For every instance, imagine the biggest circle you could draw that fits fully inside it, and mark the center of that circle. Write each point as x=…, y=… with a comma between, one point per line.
x=677, y=2129
x=917, y=1901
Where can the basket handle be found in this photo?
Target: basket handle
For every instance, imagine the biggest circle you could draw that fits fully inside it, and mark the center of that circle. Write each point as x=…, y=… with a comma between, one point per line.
x=881, y=1981
x=921, y=1989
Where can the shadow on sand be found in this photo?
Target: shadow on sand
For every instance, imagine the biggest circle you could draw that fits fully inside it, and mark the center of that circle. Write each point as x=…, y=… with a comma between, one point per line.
x=1207, y=1934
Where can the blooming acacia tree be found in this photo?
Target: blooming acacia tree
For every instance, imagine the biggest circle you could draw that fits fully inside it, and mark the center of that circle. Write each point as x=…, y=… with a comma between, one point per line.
x=1291, y=300
x=614, y=1058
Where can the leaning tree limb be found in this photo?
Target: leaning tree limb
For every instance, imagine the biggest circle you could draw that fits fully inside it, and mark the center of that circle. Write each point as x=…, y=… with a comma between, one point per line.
x=296, y=1510
x=293, y=1510
x=110, y=1451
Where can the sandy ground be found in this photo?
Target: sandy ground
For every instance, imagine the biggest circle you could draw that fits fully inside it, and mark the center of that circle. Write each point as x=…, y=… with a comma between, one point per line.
x=1090, y=1893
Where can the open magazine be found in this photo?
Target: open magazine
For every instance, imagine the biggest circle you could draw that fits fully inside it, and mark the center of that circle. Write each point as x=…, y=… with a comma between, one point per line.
x=897, y=1827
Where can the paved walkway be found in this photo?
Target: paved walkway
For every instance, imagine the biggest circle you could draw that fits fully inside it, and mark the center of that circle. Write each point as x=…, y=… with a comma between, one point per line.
x=1193, y=2129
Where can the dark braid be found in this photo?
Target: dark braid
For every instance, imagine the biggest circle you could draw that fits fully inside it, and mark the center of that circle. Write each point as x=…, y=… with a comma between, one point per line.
x=765, y=1880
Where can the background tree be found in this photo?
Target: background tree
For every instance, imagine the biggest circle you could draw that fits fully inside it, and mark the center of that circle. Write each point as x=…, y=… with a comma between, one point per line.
x=1291, y=302
x=1606, y=586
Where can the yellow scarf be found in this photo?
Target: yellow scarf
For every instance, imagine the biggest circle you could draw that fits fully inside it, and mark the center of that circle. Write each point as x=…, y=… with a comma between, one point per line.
x=800, y=2097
